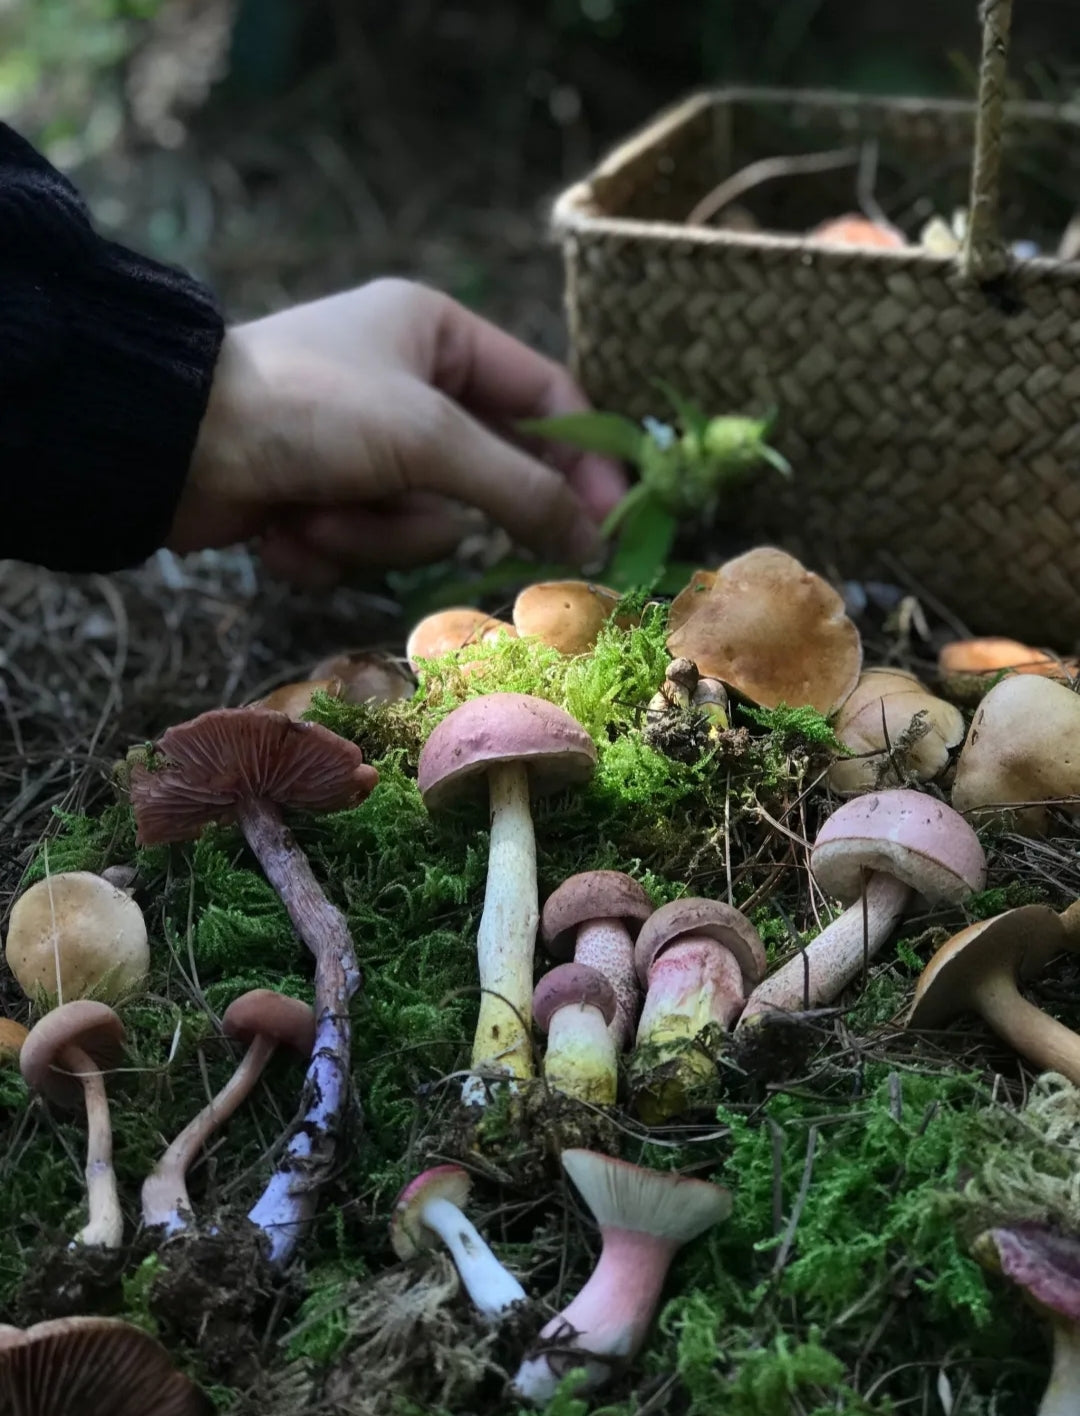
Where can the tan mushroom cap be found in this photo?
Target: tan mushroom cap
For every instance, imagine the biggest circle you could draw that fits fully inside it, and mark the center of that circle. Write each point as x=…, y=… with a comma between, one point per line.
x=876, y=715
x=966, y=665
x=263, y=1013
x=294, y=699
x=769, y=628
x=91, y=1027
x=12, y=1037
x=408, y=1233
x=569, y=986
x=1023, y=746
x=367, y=676
x=94, y=932
x=93, y=1367
x=448, y=631
x=593, y=894
x=691, y=916
x=567, y=615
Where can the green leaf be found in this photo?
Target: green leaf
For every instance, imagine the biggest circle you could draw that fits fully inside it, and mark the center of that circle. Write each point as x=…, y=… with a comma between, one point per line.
x=618, y=514
x=647, y=538
x=610, y=434
x=776, y=459
x=693, y=419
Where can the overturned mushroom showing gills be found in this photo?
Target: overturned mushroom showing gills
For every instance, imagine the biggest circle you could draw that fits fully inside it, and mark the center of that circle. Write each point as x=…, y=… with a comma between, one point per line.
x=979, y=971
x=769, y=628
x=74, y=935
x=566, y=615
x=1046, y=1267
x=575, y=1005
x=645, y=1217
x=64, y=1058
x=92, y=1367
x=429, y=1209
x=893, y=725
x=264, y=1020
x=874, y=853
x=516, y=746
x=244, y=765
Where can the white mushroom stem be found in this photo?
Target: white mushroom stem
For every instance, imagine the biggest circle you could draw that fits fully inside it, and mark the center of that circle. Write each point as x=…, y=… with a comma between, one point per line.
x=1062, y=1396
x=506, y=938
x=581, y=1060
x=105, y=1223
x=492, y=1288
x=821, y=971
x=605, y=945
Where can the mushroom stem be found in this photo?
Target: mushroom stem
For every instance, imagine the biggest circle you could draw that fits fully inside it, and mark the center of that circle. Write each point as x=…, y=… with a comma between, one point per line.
x=606, y=945
x=165, y=1198
x=490, y=1286
x=1027, y=1029
x=1062, y=1395
x=506, y=938
x=829, y=963
x=105, y=1224
x=288, y=1201
x=581, y=1059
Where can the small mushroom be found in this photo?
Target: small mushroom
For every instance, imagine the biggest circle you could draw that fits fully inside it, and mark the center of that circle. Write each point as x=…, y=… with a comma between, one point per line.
x=295, y=699
x=566, y=615
x=978, y=971
x=697, y=959
x=429, y=1209
x=856, y=230
x=450, y=631
x=645, y=1217
x=1022, y=749
x=244, y=765
x=575, y=1005
x=769, y=628
x=515, y=746
x=64, y=1058
x=891, y=713
x=367, y=676
x=74, y=935
x=874, y=853
x=92, y=1367
x=967, y=667
x=595, y=918
x=12, y=1037
x=1046, y=1267
x=263, y=1020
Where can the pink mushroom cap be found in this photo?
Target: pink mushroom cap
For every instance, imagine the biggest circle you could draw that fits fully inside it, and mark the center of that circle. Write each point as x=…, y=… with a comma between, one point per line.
x=408, y=1234
x=696, y=917
x=572, y=985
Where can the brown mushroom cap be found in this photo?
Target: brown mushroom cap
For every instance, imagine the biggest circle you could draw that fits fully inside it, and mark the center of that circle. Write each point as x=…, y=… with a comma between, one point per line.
x=84, y=926
x=12, y=1037
x=567, y=615
x=727, y=925
x=408, y=1233
x=367, y=676
x=770, y=628
x=294, y=699
x=93, y=1367
x=874, y=717
x=263, y=1013
x=572, y=985
x=1023, y=746
x=503, y=727
x=965, y=666
x=1022, y=940
x=92, y=1027
x=228, y=756
x=447, y=631
x=594, y=894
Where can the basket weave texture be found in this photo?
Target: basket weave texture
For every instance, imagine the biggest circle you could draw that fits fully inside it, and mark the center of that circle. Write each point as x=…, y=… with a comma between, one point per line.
x=933, y=422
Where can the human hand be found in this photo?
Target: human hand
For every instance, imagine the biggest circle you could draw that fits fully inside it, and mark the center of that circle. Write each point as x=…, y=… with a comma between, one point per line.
x=349, y=431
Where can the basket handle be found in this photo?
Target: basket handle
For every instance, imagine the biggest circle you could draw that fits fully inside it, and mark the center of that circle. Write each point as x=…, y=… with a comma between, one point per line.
x=983, y=256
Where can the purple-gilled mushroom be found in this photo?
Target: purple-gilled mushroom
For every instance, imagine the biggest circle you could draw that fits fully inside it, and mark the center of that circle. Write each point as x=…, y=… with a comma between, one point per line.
x=697, y=960
x=64, y=1057
x=575, y=1005
x=1046, y=1266
x=875, y=853
x=263, y=1020
x=429, y=1209
x=244, y=765
x=596, y=917
x=645, y=1217
x=516, y=747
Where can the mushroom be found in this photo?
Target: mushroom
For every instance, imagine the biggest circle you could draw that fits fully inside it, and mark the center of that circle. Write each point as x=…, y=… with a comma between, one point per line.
x=873, y=853
x=1023, y=746
x=367, y=676
x=429, y=1209
x=977, y=971
x=244, y=765
x=92, y=1367
x=891, y=709
x=64, y=1057
x=449, y=631
x=967, y=667
x=1046, y=1266
x=75, y=934
x=769, y=628
x=566, y=615
x=575, y=1005
x=263, y=1020
x=857, y=230
x=12, y=1037
x=645, y=1217
x=595, y=918
x=697, y=959
x=294, y=699
x=514, y=745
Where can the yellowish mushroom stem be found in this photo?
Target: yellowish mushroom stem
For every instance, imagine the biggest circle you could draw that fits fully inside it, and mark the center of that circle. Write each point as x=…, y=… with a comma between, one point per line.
x=1050, y=1045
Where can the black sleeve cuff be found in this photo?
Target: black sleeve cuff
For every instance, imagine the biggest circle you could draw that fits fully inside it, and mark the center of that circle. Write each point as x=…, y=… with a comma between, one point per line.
x=106, y=361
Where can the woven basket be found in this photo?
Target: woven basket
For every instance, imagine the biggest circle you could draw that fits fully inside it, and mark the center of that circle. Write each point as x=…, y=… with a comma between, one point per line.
x=929, y=404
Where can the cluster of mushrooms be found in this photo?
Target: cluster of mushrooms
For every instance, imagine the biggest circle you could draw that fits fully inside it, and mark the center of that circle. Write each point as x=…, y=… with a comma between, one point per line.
x=629, y=976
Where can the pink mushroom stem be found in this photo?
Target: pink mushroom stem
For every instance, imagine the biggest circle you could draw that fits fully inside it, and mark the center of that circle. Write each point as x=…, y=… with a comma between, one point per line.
x=105, y=1222
x=606, y=945
x=691, y=984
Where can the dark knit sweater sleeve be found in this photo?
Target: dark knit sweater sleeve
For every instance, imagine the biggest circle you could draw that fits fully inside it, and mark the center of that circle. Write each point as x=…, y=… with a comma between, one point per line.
x=106, y=359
